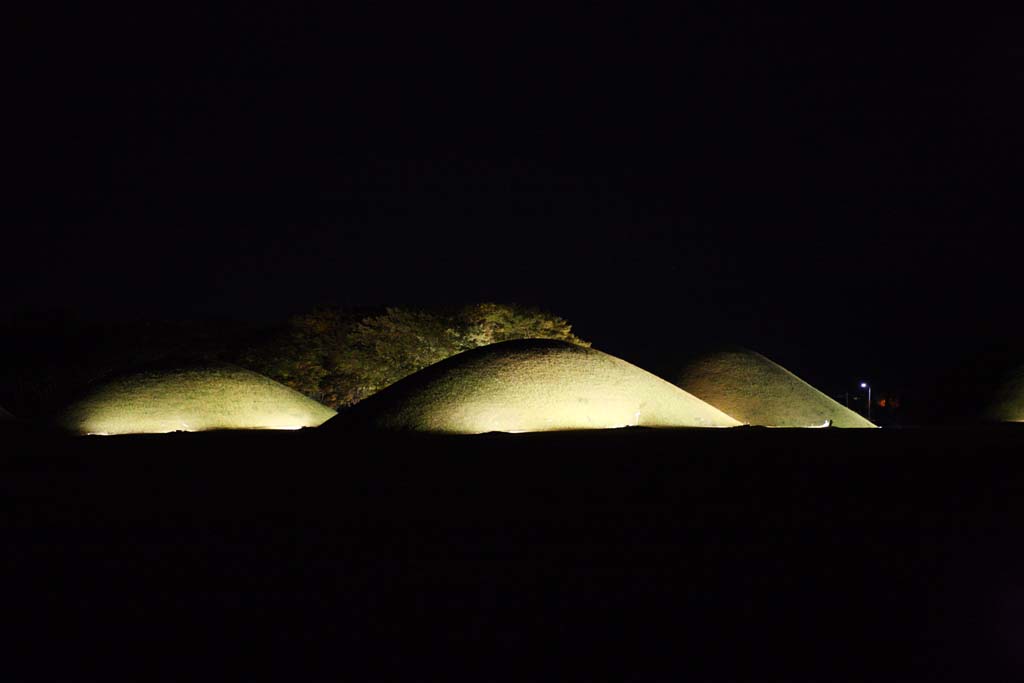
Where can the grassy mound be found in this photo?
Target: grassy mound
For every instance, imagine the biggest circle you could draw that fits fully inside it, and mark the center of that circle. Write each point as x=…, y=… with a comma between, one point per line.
x=194, y=398
x=757, y=391
x=531, y=385
x=1007, y=402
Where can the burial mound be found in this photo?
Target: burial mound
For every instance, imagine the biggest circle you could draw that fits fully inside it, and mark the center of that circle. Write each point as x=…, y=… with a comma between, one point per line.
x=758, y=391
x=194, y=398
x=531, y=385
x=1007, y=401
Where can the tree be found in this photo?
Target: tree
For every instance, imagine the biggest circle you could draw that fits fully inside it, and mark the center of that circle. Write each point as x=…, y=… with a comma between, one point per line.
x=341, y=357
x=490, y=323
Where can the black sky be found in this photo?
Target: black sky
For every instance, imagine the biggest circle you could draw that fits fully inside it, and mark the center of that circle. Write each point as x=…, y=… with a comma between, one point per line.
x=837, y=190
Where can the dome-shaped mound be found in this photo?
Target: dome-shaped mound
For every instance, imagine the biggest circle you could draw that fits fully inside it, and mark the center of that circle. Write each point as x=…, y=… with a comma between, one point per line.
x=531, y=385
x=193, y=398
x=1007, y=402
x=757, y=391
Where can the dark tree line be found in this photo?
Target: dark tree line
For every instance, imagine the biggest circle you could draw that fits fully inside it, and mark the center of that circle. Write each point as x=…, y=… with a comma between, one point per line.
x=340, y=357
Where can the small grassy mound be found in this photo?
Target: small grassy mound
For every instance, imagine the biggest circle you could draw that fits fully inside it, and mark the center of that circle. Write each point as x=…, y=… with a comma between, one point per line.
x=1007, y=402
x=194, y=398
x=757, y=391
x=531, y=385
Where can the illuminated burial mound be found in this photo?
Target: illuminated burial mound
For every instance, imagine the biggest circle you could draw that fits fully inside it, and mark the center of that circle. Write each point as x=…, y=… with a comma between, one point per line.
x=1007, y=402
x=193, y=398
x=531, y=385
x=758, y=391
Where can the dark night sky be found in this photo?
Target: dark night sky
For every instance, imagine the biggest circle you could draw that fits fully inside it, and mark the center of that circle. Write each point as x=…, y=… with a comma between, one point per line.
x=839, y=191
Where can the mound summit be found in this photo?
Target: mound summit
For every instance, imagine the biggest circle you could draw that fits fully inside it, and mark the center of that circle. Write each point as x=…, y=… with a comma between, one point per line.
x=192, y=398
x=1007, y=402
x=758, y=391
x=531, y=385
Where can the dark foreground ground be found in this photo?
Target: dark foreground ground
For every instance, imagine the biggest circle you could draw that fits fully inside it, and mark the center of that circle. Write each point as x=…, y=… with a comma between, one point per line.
x=816, y=555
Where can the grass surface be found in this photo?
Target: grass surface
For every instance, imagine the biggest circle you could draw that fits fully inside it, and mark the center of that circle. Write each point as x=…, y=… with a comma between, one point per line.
x=216, y=396
x=532, y=385
x=758, y=391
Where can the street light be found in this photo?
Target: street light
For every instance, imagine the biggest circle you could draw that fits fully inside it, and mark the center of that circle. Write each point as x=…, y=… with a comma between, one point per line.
x=865, y=385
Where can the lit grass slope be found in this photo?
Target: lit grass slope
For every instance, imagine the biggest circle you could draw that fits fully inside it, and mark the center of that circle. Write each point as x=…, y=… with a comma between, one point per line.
x=194, y=398
x=530, y=385
x=1007, y=403
x=758, y=391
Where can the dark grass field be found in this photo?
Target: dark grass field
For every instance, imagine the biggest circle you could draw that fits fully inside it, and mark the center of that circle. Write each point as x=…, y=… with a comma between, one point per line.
x=719, y=555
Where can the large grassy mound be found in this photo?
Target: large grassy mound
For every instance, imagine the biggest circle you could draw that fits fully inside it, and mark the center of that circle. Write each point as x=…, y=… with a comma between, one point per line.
x=531, y=385
x=1007, y=402
x=195, y=398
x=757, y=391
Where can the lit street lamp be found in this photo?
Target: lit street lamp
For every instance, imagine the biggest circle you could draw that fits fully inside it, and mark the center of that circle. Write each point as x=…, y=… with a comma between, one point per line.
x=865, y=385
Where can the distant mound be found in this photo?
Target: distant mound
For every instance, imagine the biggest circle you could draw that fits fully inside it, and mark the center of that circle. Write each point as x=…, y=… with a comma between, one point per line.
x=757, y=391
x=531, y=385
x=1007, y=401
x=192, y=398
